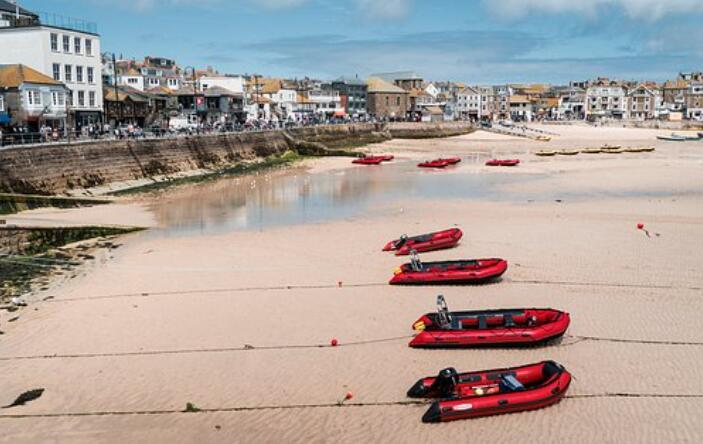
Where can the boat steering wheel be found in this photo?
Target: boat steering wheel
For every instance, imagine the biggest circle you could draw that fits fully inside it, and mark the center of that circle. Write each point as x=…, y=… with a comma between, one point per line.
x=415, y=262
x=444, y=319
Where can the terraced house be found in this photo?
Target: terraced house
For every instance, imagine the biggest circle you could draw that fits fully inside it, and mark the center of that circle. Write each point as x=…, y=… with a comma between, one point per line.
x=606, y=98
x=644, y=102
x=30, y=99
x=65, y=50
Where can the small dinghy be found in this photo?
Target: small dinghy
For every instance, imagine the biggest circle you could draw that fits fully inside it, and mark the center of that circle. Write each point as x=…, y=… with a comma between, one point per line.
x=672, y=138
x=486, y=328
x=368, y=160
x=568, y=152
x=503, y=162
x=492, y=392
x=450, y=160
x=471, y=271
x=437, y=163
x=544, y=153
x=425, y=242
x=607, y=147
x=386, y=157
x=591, y=150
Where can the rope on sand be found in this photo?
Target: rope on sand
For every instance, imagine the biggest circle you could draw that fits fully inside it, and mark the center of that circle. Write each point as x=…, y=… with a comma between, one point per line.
x=602, y=284
x=318, y=406
x=630, y=341
x=246, y=347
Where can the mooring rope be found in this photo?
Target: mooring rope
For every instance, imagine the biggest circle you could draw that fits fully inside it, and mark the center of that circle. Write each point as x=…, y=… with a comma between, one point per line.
x=338, y=404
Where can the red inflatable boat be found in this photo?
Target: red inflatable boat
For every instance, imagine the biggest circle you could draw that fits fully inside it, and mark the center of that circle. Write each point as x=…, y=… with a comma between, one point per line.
x=437, y=163
x=503, y=162
x=472, y=271
x=368, y=160
x=450, y=160
x=426, y=242
x=486, y=328
x=492, y=392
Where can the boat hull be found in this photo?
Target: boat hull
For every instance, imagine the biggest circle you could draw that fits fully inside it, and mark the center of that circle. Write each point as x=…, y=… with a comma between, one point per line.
x=477, y=271
x=428, y=242
x=548, y=325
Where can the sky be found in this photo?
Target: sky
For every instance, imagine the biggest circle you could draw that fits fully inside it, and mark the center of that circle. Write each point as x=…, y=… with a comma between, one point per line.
x=474, y=41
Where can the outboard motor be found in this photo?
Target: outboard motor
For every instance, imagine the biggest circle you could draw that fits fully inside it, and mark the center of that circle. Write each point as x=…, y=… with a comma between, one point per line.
x=445, y=384
x=444, y=319
x=403, y=239
x=415, y=263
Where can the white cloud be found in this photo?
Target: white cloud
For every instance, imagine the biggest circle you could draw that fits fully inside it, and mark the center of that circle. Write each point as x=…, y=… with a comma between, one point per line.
x=650, y=10
x=280, y=4
x=384, y=9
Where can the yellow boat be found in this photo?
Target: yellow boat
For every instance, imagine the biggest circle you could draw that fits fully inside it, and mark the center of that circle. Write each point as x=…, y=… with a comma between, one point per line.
x=647, y=149
x=591, y=150
x=544, y=138
x=611, y=147
x=632, y=149
x=614, y=151
x=545, y=153
x=568, y=152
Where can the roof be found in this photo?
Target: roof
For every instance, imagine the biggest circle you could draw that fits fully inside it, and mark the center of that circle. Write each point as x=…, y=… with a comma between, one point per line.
x=469, y=90
x=123, y=93
x=676, y=84
x=160, y=91
x=269, y=86
x=350, y=80
x=519, y=99
x=378, y=85
x=9, y=7
x=12, y=76
x=434, y=110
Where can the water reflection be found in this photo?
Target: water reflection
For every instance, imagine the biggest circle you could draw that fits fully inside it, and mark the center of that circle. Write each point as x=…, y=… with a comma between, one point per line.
x=295, y=196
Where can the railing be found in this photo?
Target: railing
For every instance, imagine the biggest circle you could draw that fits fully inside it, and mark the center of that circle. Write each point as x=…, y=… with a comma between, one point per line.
x=56, y=20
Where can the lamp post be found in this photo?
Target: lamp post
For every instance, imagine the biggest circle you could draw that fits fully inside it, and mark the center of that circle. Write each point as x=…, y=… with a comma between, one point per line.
x=114, y=84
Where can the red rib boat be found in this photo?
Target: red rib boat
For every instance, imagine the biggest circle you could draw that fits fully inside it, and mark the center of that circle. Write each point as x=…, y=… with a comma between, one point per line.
x=488, y=328
x=492, y=392
x=471, y=271
x=368, y=160
x=425, y=242
x=450, y=160
x=386, y=157
x=503, y=162
x=437, y=163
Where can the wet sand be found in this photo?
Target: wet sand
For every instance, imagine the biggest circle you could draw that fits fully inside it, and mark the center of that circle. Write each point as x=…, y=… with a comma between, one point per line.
x=165, y=319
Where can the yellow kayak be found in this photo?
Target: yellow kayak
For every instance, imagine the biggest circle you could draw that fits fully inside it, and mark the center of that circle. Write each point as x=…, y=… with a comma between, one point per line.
x=614, y=151
x=568, y=152
x=591, y=150
x=611, y=147
x=545, y=153
x=647, y=149
x=544, y=138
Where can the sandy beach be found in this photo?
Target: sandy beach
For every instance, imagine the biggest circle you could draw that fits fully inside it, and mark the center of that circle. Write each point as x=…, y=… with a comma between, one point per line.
x=234, y=314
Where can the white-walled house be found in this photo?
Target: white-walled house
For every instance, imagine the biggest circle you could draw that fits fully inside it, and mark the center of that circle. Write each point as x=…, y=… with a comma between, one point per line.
x=327, y=102
x=432, y=90
x=606, y=99
x=468, y=103
x=66, y=55
x=31, y=99
x=235, y=84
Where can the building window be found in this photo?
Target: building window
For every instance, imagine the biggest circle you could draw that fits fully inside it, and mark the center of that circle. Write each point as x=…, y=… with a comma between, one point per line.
x=79, y=74
x=91, y=99
x=77, y=44
x=67, y=73
x=387, y=101
x=88, y=47
x=58, y=99
x=91, y=75
x=81, y=98
x=56, y=68
x=132, y=80
x=33, y=97
x=54, y=42
x=66, y=43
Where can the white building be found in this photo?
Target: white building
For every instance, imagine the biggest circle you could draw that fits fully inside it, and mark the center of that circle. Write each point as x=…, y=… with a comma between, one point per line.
x=606, y=99
x=327, y=102
x=468, y=103
x=67, y=55
x=694, y=101
x=235, y=84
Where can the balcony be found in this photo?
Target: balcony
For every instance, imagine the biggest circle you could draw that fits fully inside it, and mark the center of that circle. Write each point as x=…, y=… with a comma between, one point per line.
x=53, y=20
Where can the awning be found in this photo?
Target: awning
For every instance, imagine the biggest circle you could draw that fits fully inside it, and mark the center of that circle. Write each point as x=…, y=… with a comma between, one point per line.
x=340, y=114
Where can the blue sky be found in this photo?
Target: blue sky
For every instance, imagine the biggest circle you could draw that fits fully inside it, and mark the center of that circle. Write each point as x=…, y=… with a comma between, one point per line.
x=481, y=41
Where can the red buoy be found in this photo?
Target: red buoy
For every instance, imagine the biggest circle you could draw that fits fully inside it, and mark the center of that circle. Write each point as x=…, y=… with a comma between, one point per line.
x=334, y=342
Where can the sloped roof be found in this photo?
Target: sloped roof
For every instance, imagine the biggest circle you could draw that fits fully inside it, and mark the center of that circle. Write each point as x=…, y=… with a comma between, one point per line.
x=269, y=86
x=160, y=91
x=123, y=93
x=9, y=7
x=469, y=90
x=378, y=85
x=12, y=76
